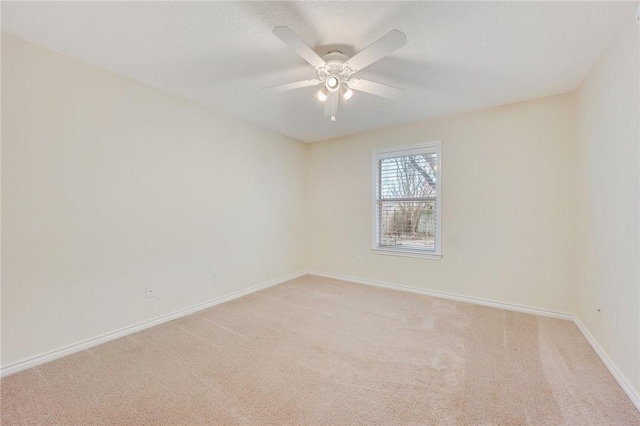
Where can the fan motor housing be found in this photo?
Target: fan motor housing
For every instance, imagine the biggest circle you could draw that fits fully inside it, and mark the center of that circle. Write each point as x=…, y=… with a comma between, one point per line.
x=335, y=66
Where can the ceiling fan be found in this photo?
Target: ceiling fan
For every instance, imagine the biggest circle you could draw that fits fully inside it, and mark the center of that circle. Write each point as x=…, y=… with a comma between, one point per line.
x=335, y=70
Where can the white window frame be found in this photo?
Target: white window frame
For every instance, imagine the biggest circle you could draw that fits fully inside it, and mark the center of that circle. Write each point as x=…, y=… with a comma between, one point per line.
x=405, y=151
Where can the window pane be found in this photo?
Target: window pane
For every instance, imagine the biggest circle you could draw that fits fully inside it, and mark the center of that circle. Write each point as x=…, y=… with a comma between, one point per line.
x=407, y=192
x=407, y=224
x=407, y=177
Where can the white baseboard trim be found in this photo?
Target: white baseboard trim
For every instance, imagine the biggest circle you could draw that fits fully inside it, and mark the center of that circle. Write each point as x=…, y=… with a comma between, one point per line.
x=450, y=296
x=624, y=384
x=95, y=341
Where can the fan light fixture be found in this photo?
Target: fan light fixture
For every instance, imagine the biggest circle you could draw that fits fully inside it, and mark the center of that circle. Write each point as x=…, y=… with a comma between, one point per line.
x=347, y=95
x=322, y=95
x=332, y=83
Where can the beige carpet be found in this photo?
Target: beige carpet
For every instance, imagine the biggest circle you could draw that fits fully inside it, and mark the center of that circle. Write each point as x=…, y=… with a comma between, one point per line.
x=326, y=352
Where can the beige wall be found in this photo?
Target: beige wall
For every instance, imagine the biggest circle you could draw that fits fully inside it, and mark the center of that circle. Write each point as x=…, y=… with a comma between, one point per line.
x=507, y=214
x=608, y=232
x=109, y=185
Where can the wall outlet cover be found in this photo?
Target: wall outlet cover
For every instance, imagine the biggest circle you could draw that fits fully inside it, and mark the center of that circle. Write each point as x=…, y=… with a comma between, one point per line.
x=150, y=291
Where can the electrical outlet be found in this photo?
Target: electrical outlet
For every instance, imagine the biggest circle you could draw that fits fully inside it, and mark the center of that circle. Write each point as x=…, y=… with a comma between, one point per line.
x=216, y=276
x=614, y=324
x=359, y=259
x=150, y=291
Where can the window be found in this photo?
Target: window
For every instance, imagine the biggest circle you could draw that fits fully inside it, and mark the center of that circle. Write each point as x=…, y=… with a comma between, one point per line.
x=407, y=210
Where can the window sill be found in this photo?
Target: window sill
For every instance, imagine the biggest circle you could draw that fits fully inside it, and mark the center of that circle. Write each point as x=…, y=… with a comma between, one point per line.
x=407, y=253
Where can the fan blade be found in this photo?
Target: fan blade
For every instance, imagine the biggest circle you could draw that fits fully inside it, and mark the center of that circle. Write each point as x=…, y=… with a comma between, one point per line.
x=291, y=86
x=389, y=43
x=331, y=104
x=294, y=42
x=377, y=89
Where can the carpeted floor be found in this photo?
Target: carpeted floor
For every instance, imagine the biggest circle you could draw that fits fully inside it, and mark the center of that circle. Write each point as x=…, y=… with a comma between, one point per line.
x=319, y=351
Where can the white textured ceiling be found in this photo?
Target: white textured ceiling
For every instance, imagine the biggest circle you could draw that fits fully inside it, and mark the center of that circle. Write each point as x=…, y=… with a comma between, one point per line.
x=460, y=56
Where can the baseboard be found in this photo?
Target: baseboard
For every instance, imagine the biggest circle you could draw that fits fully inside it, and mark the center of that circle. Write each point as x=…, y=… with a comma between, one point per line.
x=450, y=296
x=626, y=387
x=89, y=343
